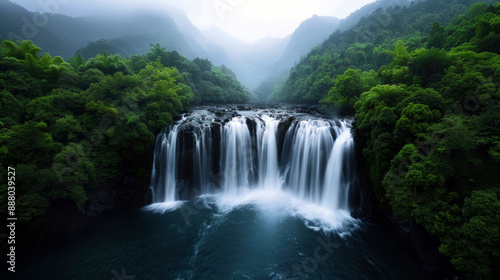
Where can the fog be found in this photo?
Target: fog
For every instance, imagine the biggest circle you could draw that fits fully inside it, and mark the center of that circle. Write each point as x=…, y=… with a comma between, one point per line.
x=247, y=20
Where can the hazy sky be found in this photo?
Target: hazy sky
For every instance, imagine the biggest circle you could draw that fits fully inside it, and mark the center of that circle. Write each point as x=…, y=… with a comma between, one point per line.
x=248, y=20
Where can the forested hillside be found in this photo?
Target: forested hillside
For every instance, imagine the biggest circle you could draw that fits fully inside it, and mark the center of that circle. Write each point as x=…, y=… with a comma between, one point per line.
x=70, y=126
x=61, y=35
x=363, y=47
x=423, y=83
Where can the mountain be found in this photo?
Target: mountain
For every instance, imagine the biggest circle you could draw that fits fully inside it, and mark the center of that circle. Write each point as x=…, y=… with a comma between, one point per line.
x=255, y=63
x=309, y=34
x=251, y=62
x=365, y=11
x=62, y=35
x=312, y=33
x=17, y=23
x=211, y=50
x=129, y=34
x=421, y=82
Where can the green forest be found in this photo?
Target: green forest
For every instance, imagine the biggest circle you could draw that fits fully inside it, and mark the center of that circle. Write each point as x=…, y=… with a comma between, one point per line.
x=423, y=83
x=68, y=126
x=424, y=88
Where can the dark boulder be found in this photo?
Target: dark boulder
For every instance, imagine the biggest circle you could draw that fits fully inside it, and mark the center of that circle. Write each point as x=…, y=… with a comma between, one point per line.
x=283, y=127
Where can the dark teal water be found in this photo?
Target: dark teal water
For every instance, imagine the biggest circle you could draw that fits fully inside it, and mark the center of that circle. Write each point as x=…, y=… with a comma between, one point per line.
x=244, y=242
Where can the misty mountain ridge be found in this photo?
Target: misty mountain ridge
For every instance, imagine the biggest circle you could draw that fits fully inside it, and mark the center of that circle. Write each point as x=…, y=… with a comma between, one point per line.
x=254, y=63
x=309, y=34
x=127, y=34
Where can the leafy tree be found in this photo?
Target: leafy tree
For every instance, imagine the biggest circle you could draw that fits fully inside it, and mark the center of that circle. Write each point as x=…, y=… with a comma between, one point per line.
x=347, y=89
x=72, y=127
x=437, y=36
x=11, y=109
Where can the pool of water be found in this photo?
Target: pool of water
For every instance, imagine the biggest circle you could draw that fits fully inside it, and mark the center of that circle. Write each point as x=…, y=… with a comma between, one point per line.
x=215, y=239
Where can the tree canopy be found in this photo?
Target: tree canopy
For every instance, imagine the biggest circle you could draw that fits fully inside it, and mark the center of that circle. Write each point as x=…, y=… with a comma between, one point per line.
x=427, y=120
x=70, y=126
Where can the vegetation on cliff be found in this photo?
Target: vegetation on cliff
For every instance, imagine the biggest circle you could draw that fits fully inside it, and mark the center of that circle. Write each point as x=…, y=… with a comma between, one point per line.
x=68, y=126
x=424, y=88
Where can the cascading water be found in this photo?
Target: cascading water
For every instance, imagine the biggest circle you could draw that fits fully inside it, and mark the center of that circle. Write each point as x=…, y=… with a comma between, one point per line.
x=336, y=184
x=306, y=157
x=314, y=166
x=164, y=174
x=236, y=156
x=267, y=198
x=202, y=160
x=269, y=175
x=261, y=195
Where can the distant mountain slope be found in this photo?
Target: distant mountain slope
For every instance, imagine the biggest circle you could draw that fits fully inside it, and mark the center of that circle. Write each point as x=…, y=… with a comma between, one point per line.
x=212, y=50
x=255, y=63
x=139, y=44
x=304, y=41
x=62, y=35
x=251, y=62
x=129, y=34
x=17, y=23
x=360, y=47
x=365, y=11
x=309, y=34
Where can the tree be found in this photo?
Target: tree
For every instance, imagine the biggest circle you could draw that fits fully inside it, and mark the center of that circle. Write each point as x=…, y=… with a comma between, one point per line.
x=348, y=87
x=437, y=36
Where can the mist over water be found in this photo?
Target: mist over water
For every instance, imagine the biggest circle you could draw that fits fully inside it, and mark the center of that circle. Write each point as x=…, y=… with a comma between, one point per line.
x=311, y=180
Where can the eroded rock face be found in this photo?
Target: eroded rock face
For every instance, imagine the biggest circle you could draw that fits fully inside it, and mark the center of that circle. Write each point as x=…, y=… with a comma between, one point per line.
x=187, y=149
x=283, y=127
x=216, y=128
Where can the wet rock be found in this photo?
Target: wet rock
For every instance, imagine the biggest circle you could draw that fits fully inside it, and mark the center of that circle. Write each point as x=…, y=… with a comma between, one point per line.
x=252, y=127
x=148, y=198
x=283, y=127
x=357, y=214
x=187, y=150
x=183, y=188
x=219, y=113
x=216, y=129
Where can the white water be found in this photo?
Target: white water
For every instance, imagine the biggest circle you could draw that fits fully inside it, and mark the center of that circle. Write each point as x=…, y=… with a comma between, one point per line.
x=269, y=175
x=311, y=180
x=312, y=142
x=202, y=160
x=163, y=181
x=335, y=188
x=237, y=158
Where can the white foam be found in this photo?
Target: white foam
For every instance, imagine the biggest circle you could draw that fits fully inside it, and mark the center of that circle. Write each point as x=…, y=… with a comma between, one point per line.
x=164, y=207
x=279, y=203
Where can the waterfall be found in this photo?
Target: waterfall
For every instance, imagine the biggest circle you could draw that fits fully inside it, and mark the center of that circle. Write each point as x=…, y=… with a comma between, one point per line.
x=268, y=153
x=202, y=160
x=312, y=142
x=237, y=158
x=164, y=174
x=336, y=185
x=314, y=164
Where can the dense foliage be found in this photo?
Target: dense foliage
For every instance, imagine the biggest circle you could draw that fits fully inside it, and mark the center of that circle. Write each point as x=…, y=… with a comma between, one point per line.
x=428, y=119
x=364, y=47
x=69, y=126
x=210, y=84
